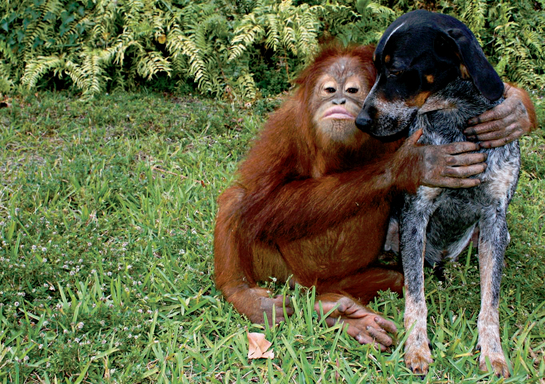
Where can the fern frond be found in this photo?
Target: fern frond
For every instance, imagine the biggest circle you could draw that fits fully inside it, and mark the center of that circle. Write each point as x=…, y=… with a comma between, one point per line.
x=245, y=35
x=7, y=53
x=474, y=16
x=75, y=73
x=175, y=40
x=197, y=66
x=92, y=68
x=273, y=33
x=41, y=25
x=36, y=68
x=152, y=63
x=378, y=9
x=244, y=89
x=89, y=76
x=307, y=42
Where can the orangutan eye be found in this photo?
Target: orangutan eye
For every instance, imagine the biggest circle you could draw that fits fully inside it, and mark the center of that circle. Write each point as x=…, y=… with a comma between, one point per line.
x=330, y=90
x=352, y=90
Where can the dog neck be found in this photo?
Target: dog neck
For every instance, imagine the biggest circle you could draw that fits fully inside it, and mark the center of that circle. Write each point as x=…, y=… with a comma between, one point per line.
x=444, y=115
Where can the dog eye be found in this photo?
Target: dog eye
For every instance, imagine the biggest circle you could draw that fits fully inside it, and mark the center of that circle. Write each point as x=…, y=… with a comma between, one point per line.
x=352, y=90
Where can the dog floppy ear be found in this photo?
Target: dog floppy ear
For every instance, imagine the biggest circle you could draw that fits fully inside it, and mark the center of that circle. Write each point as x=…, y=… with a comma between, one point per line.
x=479, y=69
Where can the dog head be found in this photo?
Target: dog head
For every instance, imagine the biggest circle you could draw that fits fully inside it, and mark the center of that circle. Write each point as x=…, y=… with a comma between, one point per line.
x=419, y=54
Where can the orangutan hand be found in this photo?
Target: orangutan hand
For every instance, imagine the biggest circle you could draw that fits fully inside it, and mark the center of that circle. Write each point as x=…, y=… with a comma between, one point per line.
x=504, y=123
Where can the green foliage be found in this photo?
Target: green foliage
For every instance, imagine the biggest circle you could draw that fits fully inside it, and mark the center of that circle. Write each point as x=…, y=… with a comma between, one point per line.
x=235, y=50
x=287, y=30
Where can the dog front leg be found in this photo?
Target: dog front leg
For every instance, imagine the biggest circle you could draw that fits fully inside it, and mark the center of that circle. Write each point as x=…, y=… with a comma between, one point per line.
x=493, y=241
x=413, y=238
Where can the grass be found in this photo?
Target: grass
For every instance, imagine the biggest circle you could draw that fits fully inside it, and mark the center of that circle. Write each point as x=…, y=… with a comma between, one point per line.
x=106, y=219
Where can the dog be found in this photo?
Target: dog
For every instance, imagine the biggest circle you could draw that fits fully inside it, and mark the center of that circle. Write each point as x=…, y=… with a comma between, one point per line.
x=434, y=76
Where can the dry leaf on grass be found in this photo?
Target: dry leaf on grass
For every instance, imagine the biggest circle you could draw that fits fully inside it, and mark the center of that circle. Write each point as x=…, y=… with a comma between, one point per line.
x=258, y=345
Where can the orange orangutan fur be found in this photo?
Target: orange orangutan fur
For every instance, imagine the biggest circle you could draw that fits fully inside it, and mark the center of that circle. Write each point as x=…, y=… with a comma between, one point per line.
x=316, y=212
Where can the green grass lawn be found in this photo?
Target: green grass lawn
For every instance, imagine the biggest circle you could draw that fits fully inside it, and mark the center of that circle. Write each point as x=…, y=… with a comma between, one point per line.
x=106, y=221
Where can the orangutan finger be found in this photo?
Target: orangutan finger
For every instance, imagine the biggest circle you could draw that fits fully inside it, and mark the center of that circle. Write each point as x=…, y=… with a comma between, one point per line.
x=387, y=325
x=380, y=336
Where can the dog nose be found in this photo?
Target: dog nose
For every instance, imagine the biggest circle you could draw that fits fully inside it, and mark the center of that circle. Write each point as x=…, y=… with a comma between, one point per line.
x=339, y=101
x=363, y=121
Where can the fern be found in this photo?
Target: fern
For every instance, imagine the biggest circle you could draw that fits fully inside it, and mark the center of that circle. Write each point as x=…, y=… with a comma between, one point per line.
x=363, y=25
x=197, y=65
x=283, y=26
x=473, y=15
x=247, y=34
x=236, y=50
x=519, y=50
x=36, y=68
x=151, y=63
x=90, y=75
x=244, y=89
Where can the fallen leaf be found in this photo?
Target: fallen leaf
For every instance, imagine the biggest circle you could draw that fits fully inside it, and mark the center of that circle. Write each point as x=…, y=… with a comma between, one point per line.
x=258, y=345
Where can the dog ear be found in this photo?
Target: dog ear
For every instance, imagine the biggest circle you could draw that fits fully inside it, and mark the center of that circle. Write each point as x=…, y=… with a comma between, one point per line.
x=478, y=68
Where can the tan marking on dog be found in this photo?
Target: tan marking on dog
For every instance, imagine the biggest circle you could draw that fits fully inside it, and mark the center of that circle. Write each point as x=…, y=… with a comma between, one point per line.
x=430, y=79
x=435, y=104
x=464, y=72
x=387, y=59
x=419, y=99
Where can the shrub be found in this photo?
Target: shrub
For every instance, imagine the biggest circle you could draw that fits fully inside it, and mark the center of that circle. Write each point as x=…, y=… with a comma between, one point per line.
x=235, y=50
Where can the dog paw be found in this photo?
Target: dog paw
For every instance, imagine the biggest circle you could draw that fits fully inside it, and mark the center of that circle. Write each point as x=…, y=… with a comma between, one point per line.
x=497, y=361
x=418, y=358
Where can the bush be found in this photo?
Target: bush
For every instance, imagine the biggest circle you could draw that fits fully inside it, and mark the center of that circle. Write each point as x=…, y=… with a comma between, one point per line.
x=237, y=50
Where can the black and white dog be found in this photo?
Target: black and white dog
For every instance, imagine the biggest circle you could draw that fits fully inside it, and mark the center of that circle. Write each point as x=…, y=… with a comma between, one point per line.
x=433, y=75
